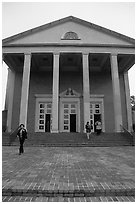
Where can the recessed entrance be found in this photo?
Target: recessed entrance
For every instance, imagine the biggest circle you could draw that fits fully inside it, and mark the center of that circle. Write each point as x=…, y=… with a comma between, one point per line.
x=96, y=114
x=47, y=122
x=97, y=117
x=69, y=115
x=72, y=122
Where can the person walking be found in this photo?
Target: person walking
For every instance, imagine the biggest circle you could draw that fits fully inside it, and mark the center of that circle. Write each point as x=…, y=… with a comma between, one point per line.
x=98, y=127
x=88, y=129
x=22, y=135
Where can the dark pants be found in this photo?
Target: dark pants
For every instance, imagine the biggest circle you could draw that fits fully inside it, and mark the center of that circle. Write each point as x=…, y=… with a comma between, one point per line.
x=21, y=150
x=98, y=131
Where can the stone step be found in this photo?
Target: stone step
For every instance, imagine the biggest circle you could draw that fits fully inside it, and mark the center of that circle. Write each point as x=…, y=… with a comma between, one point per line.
x=71, y=139
x=95, y=192
x=68, y=199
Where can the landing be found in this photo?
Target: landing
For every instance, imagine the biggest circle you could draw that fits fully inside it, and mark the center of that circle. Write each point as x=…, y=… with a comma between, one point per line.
x=68, y=168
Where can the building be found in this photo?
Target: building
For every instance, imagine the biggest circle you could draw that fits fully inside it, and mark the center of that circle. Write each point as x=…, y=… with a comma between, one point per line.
x=68, y=72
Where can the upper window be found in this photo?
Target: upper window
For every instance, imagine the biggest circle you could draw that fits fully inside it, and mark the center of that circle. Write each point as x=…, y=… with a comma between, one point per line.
x=70, y=36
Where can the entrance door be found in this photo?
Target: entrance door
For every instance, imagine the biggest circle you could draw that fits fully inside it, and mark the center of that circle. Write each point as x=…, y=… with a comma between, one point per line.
x=69, y=117
x=95, y=114
x=97, y=117
x=47, y=123
x=72, y=122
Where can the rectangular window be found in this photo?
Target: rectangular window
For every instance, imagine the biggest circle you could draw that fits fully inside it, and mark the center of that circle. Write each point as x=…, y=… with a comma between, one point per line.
x=96, y=105
x=66, y=116
x=41, y=127
x=49, y=111
x=49, y=105
x=66, y=111
x=41, y=110
x=65, y=127
x=66, y=106
x=73, y=111
x=96, y=111
x=42, y=105
x=73, y=106
x=66, y=121
x=41, y=116
x=41, y=121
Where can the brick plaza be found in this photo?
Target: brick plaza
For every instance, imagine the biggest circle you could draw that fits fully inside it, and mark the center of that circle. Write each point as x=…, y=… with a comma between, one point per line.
x=69, y=174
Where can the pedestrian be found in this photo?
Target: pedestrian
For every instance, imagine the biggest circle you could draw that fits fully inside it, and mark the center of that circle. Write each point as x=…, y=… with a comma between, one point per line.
x=22, y=135
x=98, y=127
x=88, y=129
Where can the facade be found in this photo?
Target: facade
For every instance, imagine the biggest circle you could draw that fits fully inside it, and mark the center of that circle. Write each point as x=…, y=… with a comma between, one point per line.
x=66, y=73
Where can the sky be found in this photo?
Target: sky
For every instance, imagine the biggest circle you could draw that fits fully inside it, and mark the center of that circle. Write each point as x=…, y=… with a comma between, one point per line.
x=21, y=16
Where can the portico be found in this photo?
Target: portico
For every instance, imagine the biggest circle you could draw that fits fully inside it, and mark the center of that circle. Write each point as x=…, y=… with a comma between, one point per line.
x=85, y=70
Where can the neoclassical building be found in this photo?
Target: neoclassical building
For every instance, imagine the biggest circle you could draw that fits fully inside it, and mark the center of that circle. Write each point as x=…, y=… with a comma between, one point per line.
x=65, y=73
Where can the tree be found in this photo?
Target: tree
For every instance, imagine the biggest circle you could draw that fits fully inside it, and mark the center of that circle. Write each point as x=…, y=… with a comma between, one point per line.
x=132, y=99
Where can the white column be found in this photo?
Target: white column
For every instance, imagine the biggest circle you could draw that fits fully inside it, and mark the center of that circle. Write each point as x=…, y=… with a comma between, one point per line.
x=86, y=91
x=116, y=92
x=25, y=89
x=128, y=102
x=55, y=93
x=9, y=97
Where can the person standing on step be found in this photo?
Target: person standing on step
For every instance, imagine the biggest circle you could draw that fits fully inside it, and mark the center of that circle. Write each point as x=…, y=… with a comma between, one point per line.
x=88, y=129
x=98, y=127
x=22, y=135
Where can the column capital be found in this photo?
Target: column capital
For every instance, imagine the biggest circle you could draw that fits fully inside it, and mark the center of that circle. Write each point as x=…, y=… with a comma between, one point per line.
x=85, y=53
x=113, y=54
x=56, y=53
x=27, y=53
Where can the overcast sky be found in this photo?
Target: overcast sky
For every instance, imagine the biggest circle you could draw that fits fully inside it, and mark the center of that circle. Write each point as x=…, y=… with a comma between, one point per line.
x=18, y=17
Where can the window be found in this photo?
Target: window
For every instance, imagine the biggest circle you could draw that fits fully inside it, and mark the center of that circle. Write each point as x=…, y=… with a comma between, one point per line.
x=71, y=36
x=96, y=105
x=41, y=127
x=41, y=116
x=41, y=110
x=66, y=116
x=73, y=111
x=65, y=105
x=65, y=127
x=41, y=105
x=65, y=121
x=41, y=121
x=66, y=111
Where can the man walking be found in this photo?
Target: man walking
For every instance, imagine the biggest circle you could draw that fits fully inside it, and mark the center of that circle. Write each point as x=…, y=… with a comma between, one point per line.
x=22, y=135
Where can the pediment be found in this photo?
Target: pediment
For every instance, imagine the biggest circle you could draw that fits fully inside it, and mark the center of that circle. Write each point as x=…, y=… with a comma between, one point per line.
x=67, y=31
x=69, y=93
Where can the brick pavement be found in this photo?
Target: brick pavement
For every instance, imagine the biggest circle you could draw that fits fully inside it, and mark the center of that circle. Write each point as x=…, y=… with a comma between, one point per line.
x=68, y=171
x=67, y=199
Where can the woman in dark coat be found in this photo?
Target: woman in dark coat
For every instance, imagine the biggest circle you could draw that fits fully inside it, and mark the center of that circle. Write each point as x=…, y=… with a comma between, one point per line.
x=22, y=135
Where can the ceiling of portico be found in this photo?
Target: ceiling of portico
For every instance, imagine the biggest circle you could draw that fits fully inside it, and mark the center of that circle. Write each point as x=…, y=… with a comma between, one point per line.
x=68, y=62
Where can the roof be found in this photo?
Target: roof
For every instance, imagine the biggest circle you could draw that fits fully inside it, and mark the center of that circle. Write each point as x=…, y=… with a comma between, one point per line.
x=63, y=20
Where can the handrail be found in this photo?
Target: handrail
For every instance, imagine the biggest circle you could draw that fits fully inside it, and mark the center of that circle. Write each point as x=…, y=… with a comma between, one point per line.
x=130, y=134
x=125, y=130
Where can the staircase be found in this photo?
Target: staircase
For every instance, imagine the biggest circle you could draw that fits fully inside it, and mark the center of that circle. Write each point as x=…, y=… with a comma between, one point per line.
x=72, y=139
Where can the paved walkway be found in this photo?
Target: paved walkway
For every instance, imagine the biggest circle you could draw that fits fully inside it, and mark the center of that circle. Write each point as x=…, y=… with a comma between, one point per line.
x=67, y=199
x=60, y=169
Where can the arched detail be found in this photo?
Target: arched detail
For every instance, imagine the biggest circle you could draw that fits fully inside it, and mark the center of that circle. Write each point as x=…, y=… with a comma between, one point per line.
x=70, y=36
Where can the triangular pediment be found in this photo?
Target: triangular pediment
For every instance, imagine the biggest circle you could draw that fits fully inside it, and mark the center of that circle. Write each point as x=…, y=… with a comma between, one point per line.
x=69, y=93
x=67, y=31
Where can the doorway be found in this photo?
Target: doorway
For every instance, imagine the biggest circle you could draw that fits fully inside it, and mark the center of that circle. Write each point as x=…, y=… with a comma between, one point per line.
x=47, y=123
x=97, y=117
x=72, y=122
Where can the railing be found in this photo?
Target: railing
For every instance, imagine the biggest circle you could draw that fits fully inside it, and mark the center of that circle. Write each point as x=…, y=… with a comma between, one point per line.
x=131, y=134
